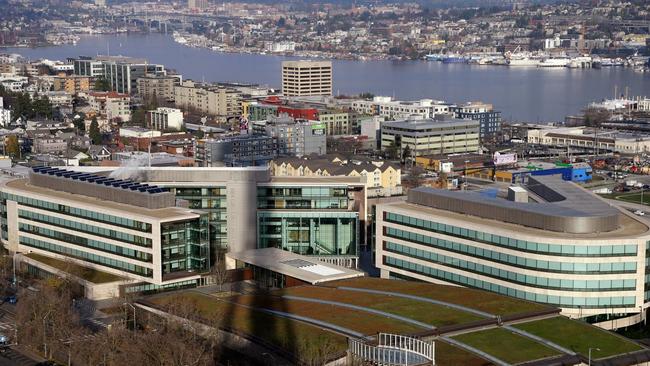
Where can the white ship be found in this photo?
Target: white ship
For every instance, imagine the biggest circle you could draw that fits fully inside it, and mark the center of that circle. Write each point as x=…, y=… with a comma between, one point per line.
x=580, y=62
x=555, y=62
x=522, y=60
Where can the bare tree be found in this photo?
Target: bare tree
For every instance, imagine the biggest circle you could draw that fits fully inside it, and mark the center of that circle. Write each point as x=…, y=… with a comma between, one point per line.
x=316, y=353
x=219, y=272
x=414, y=178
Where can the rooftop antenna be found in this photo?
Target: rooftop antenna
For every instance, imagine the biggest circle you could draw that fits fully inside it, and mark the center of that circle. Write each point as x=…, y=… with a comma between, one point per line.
x=108, y=48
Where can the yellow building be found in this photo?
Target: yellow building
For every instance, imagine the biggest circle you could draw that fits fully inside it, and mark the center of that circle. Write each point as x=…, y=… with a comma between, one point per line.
x=382, y=178
x=71, y=84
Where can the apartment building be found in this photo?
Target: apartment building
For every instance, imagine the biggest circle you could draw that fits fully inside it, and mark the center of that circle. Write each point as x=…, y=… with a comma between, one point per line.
x=340, y=122
x=111, y=105
x=396, y=109
x=382, y=178
x=71, y=84
x=165, y=119
x=214, y=100
x=49, y=145
x=5, y=114
x=158, y=87
x=301, y=78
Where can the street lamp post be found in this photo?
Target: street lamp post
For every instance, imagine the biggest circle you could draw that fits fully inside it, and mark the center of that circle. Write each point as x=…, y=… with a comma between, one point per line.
x=15, y=283
x=642, y=195
x=589, y=359
x=45, y=333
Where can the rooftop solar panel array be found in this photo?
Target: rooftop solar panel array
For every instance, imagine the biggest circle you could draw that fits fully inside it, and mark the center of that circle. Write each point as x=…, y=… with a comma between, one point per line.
x=100, y=180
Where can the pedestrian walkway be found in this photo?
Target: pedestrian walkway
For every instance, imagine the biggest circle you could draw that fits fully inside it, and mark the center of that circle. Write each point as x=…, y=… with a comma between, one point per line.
x=5, y=326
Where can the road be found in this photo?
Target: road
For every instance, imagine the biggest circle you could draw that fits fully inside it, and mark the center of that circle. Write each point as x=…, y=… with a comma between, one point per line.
x=11, y=356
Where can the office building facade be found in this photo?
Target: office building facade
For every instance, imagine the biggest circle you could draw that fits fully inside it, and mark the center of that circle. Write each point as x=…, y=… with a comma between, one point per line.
x=427, y=136
x=294, y=137
x=570, y=250
x=88, y=66
x=120, y=227
x=243, y=203
x=243, y=150
x=490, y=120
x=302, y=78
x=123, y=73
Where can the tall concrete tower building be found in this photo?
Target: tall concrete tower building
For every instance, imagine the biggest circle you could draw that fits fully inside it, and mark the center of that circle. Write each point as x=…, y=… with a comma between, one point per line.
x=300, y=78
x=197, y=4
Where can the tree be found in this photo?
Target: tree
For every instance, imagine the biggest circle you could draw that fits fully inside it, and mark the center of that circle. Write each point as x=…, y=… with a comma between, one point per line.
x=391, y=151
x=406, y=153
x=595, y=117
x=138, y=117
x=79, y=123
x=102, y=84
x=12, y=147
x=219, y=272
x=41, y=107
x=94, y=132
x=414, y=177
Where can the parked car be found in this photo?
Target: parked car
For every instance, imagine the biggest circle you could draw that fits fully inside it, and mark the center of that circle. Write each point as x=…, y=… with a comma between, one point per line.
x=639, y=213
x=4, y=343
x=11, y=299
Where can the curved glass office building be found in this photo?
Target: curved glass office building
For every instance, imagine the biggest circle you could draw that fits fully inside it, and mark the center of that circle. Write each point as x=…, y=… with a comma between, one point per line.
x=551, y=242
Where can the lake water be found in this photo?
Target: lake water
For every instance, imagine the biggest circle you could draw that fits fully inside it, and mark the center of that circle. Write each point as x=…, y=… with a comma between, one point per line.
x=521, y=94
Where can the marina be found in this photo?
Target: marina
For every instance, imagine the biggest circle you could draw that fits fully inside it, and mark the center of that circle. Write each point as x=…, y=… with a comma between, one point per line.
x=525, y=94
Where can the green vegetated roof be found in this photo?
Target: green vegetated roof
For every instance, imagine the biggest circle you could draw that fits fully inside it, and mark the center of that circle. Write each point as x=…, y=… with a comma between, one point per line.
x=85, y=273
x=476, y=299
x=244, y=313
x=579, y=337
x=506, y=345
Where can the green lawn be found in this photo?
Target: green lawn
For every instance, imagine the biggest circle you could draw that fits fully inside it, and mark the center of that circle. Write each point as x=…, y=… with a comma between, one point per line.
x=579, y=337
x=435, y=315
x=506, y=346
x=287, y=334
x=635, y=198
x=88, y=274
